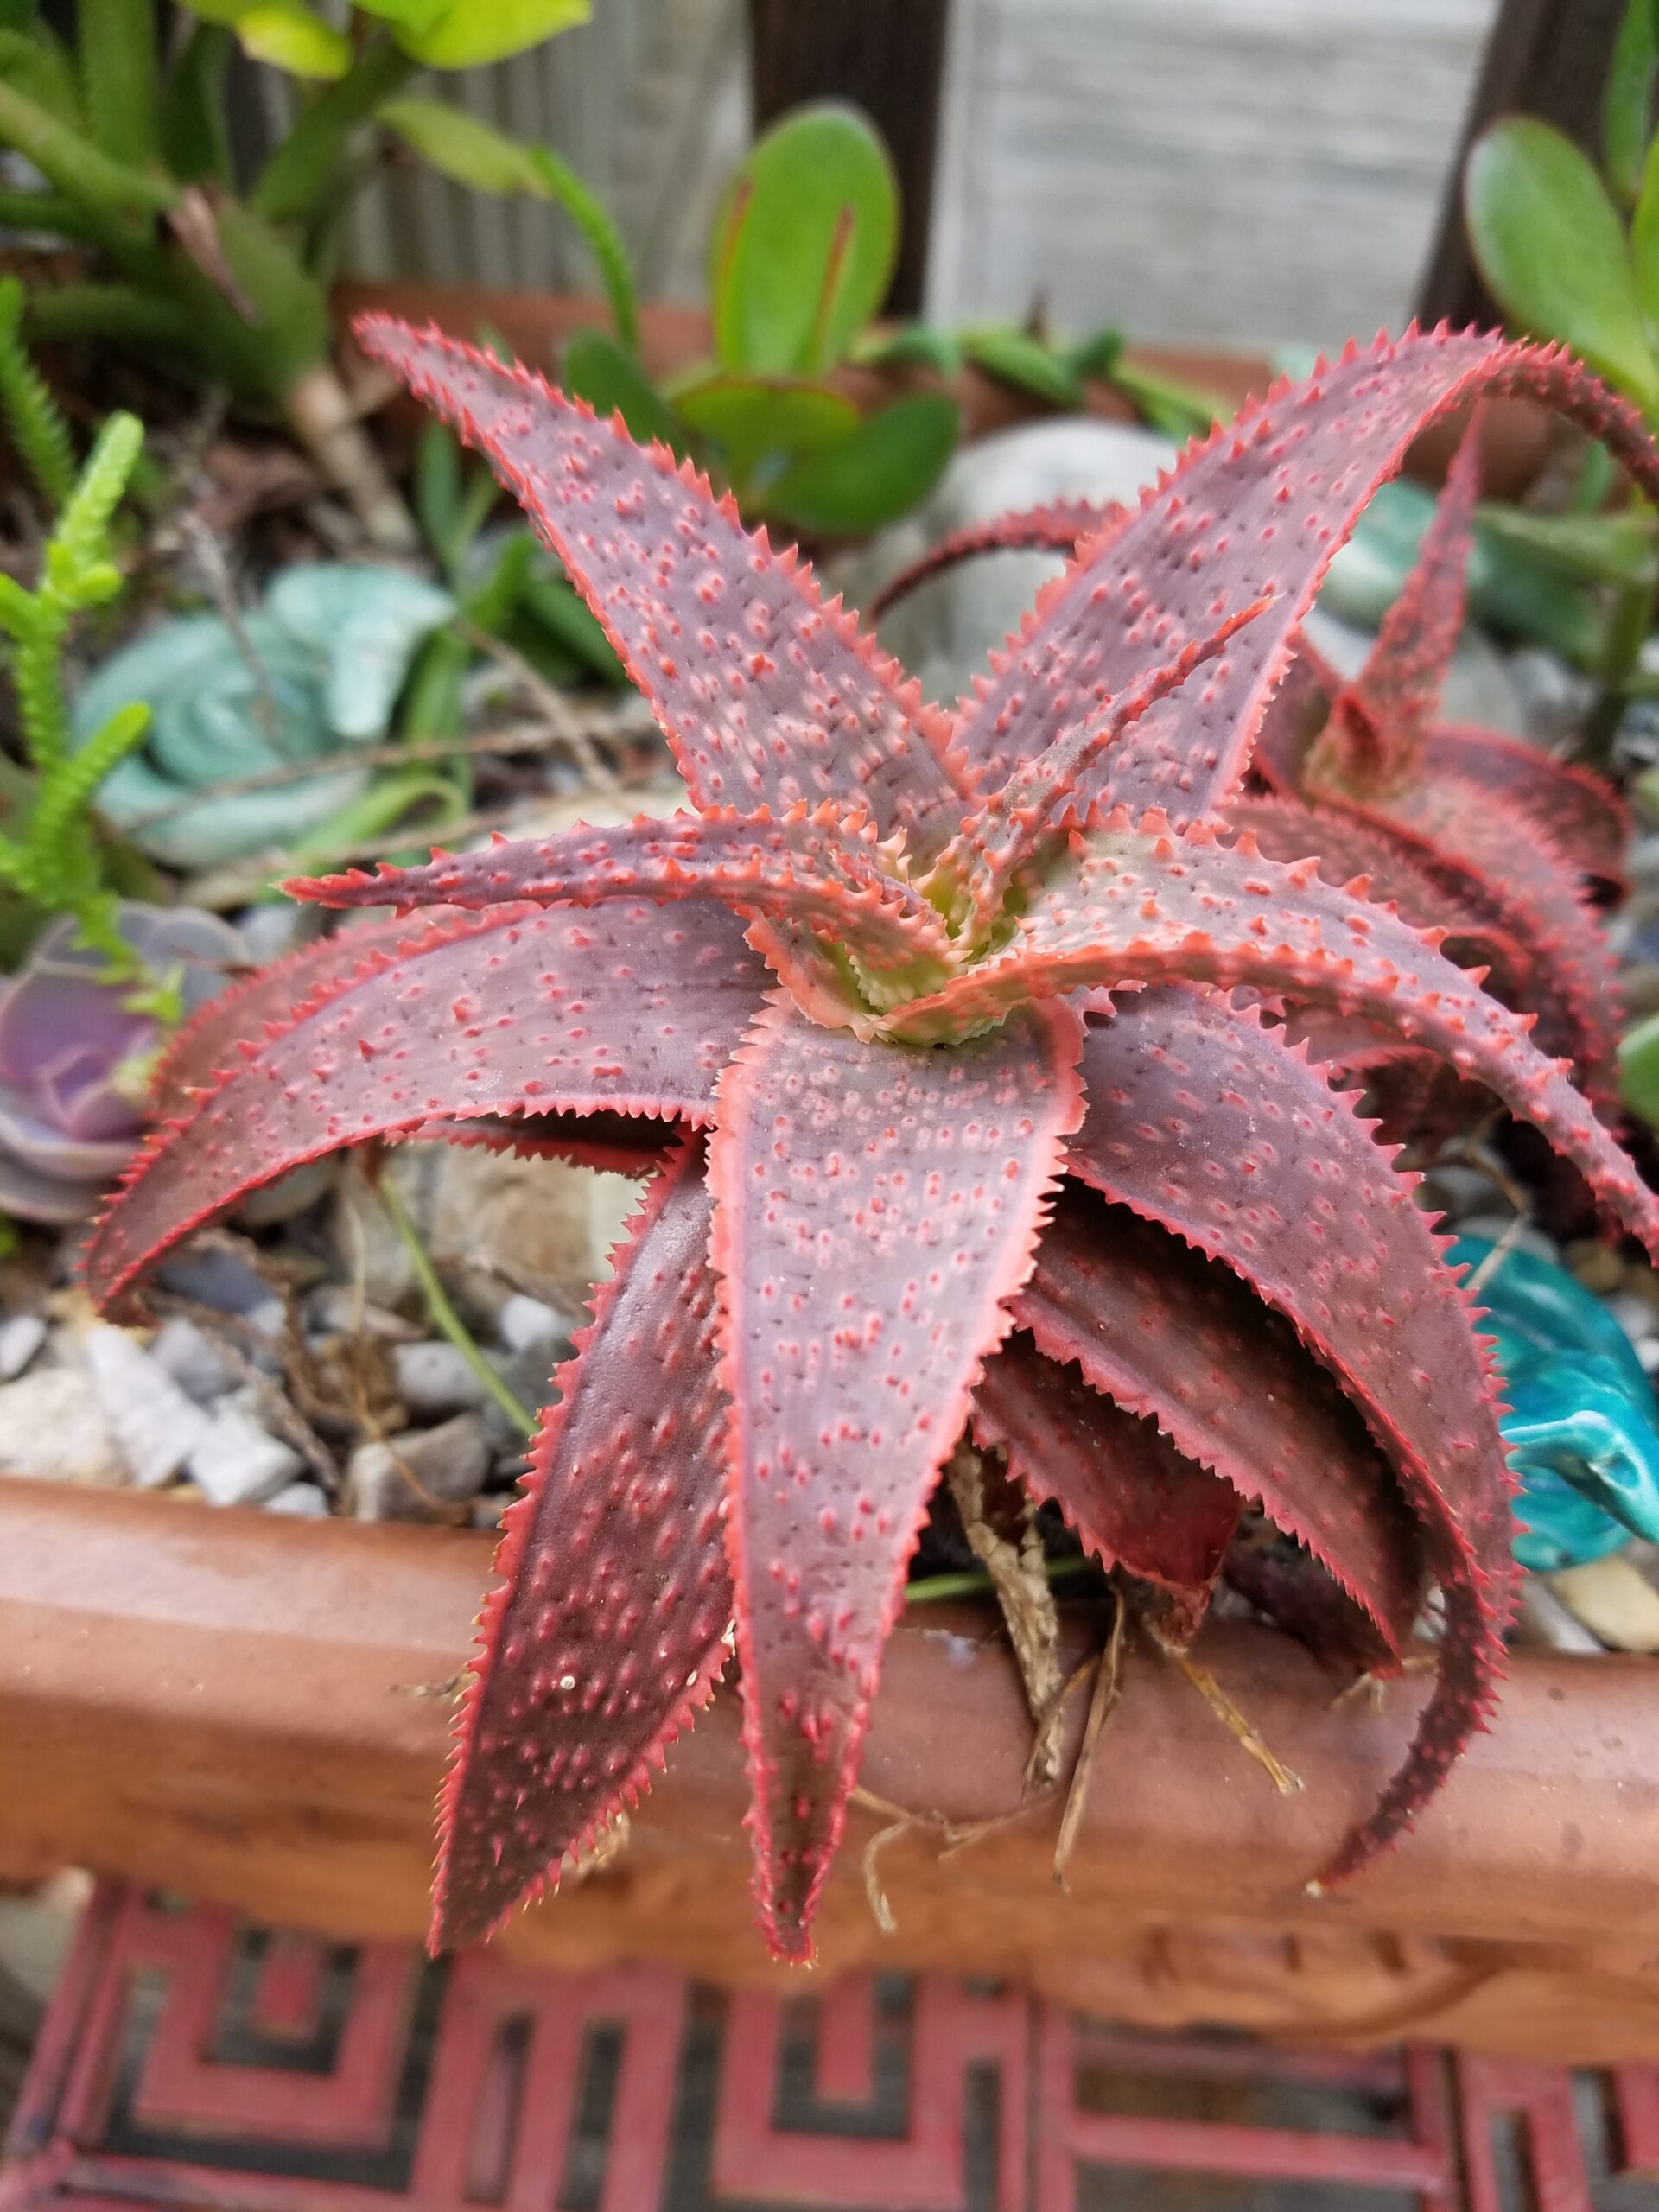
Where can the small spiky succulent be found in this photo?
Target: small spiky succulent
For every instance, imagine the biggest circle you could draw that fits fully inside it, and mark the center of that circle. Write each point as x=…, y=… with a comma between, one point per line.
x=953, y=1113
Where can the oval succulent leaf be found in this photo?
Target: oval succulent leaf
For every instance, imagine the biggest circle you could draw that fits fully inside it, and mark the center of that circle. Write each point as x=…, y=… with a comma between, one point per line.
x=1553, y=250
x=804, y=246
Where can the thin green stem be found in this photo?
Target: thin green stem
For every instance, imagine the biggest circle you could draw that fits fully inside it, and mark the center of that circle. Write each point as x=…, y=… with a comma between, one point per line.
x=299, y=176
x=106, y=311
x=445, y=1319
x=52, y=211
x=119, y=77
x=73, y=165
x=1627, y=633
x=973, y=1582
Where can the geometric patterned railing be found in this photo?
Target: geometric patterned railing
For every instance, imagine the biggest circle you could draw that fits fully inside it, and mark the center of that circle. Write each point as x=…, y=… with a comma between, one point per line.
x=189, y=2062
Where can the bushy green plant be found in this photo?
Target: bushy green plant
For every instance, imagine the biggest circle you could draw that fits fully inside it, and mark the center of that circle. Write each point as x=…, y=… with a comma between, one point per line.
x=1570, y=250
x=133, y=147
x=800, y=258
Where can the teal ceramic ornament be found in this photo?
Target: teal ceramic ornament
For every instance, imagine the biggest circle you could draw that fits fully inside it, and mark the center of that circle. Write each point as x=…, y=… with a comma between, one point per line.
x=315, y=671
x=1583, y=1427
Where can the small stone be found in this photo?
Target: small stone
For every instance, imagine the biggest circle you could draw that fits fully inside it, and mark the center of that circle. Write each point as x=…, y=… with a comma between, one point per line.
x=270, y=1317
x=434, y=1379
x=1543, y=1623
x=304, y=1500
x=52, y=1430
x=21, y=1338
x=334, y=1309
x=200, y=1370
x=238, y=1462
x=1647, y=1353
x=1614, y=1601
x=219, y=1278
x=288, y=1196
x=1596, y=1265
x=487, y=1511
x=1634, y=1315
x=155, y=1425
x=430, y=1474
x=525, y=1324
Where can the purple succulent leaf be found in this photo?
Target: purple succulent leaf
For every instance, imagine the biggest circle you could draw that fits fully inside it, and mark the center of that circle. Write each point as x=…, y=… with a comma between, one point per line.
x=1060, y=527
x=819, y=871
x=1373, y=739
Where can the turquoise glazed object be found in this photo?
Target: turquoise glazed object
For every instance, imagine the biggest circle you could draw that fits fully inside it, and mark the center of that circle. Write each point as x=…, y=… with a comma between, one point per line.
x=1582, y=1425
x=332, y=642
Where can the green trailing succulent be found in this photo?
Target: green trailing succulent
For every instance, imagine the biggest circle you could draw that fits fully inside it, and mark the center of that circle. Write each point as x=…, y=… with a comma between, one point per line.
x=129, y=139
x=50, y=856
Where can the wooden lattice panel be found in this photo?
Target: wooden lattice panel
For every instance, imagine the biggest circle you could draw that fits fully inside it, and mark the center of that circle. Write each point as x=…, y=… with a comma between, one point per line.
x=187, y=2061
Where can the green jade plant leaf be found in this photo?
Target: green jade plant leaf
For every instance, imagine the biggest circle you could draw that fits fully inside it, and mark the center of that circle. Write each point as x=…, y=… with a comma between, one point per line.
x=316, y=670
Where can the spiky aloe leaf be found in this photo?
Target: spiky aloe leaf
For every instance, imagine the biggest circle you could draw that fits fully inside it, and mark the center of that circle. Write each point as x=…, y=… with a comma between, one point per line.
x=1394, y=864
x=768, y=695
x=1203, y=1121
x=1490, y=856
x=1261, y=506
x=1143, y=907
x=875, y=1211
x=604, y=1634
x=1007, y=845
x=209, y=1044
x=613, y=1144
x=527, y=1010
x=1173, y=1336
x=818, y=869
x=1373, y=739
x=1133, y=1497
x=1059, y=527
x=1297, y=1596
x=1582, y=814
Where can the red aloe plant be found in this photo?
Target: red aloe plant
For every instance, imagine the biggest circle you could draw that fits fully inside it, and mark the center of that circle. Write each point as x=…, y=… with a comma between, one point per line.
x=890, y=1113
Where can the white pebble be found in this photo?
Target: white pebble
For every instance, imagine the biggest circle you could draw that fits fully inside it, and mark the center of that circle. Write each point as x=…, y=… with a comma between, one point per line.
x=155, y=1425
x=525, y=1324
x=303, y=1499
x=52, y=1430
x=200, y=1370
x=434, y=1378
x=238, y=1462
x=21, y=1338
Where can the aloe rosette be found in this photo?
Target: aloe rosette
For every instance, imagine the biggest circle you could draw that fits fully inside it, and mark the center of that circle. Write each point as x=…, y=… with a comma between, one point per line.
x=929, y=1035
x=1455, y=824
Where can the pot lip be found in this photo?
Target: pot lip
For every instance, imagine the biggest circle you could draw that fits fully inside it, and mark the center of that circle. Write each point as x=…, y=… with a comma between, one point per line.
x=255, y=1712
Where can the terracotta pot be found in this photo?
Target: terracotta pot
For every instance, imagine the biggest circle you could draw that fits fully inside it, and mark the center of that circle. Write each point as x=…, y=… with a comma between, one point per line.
x=254, y=1710
x=534, y=326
